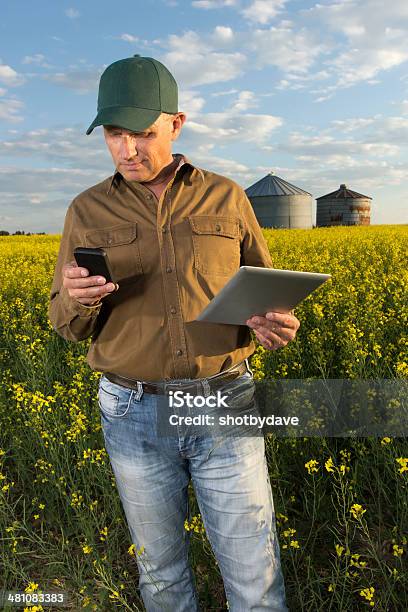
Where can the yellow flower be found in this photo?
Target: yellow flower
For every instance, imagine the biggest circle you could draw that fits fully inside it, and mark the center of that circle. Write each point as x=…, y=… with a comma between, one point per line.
x=397, y=550
x=131, y=550
x=357, y=511
x=312, y=466
x=386, y=440
x=329, y=465
x=368, y=594
x=339, y=550
x=87, y=549
x=281, y=518
x=195, y=525
x=104, y=533
x=403, y=461
x=294, y=544
x=289, y=532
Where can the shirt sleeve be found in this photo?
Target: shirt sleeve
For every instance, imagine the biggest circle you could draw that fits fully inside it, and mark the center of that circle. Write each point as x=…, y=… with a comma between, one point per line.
x=254, y=248
x=69, y=318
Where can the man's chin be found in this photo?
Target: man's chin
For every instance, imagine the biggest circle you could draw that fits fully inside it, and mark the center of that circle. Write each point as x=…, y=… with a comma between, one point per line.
x=137, y=174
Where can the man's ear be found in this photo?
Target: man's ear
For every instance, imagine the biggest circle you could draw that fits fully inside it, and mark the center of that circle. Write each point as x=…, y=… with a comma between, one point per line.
x=177, y=124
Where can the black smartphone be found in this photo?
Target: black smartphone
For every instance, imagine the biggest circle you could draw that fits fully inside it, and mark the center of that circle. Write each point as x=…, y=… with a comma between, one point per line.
x=96, y=261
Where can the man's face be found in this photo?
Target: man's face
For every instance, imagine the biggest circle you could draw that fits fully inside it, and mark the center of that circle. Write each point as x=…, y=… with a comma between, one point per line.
x=140, y=156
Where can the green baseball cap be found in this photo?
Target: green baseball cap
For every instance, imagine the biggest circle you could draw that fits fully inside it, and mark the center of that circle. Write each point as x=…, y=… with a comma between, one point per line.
x=133, y=92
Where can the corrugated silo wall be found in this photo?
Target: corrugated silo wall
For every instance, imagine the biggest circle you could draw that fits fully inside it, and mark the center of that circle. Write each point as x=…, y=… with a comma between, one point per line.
x=294, y=211
x=344, y=211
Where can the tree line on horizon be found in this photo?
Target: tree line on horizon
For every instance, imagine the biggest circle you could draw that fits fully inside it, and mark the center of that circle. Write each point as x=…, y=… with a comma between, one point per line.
x=21, y=233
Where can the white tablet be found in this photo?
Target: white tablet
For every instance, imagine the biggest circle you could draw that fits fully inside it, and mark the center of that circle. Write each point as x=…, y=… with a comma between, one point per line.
x=255, y=291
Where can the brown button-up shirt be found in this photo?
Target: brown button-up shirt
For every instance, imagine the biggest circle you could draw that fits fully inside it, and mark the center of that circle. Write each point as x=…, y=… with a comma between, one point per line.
x=170, y=257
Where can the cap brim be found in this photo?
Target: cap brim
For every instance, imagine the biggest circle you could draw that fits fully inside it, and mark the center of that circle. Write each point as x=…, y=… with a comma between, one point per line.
x=127, y=117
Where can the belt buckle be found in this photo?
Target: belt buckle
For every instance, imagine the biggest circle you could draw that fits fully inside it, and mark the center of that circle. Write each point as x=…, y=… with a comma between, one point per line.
x=180, y=386
x=167, y=384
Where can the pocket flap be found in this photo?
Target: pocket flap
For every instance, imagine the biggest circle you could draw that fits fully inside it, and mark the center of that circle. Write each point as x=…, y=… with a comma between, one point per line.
x=112, y=236
x=213, y=224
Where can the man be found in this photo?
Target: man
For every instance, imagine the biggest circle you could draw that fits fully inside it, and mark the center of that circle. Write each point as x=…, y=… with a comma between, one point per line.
x=174, y=234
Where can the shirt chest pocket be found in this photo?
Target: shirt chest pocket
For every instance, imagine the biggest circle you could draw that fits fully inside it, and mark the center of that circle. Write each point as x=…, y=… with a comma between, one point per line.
x=216, y=244
x=121, y=244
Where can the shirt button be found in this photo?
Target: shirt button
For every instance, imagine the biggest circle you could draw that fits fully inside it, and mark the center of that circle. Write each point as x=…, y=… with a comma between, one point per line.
x=169, y=269
x=218, y=227
x=173, y=310
x=149, y=196
x=179, y=352
x=164, y=230
x=110, y=241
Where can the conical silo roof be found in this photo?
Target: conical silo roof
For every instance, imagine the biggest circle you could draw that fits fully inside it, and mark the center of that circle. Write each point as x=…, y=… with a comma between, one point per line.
x=272, y=185
x=343, y=192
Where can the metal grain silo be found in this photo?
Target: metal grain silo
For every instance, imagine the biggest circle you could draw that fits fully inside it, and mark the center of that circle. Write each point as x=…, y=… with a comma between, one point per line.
x=277, y=203
x=343, y=207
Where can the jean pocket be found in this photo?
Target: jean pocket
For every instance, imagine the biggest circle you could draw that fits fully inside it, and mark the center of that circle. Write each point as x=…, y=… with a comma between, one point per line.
x=240, y=392
x=112, y=400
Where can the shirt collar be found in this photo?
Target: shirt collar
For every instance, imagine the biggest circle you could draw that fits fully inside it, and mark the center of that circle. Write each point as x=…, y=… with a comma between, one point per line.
x=183, y=160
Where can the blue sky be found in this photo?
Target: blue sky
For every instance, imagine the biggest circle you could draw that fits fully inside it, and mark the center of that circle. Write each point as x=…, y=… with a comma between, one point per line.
x=316, y=92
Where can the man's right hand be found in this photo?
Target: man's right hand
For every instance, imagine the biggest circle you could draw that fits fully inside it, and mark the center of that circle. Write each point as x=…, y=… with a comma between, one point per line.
x=87, y=290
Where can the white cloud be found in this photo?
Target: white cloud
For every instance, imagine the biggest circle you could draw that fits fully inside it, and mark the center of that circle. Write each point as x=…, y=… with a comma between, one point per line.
x=37, y=59
x=10, y=110
x=223, y=93
x=9, y=77
x=374, y=33
x=72, y=13
x=68, y=146
x=193, y=61
x=362, y=64
x=129, y=38
x=213, y=4
x=404, y=107
x=354, y=123
x=222, y=35
x=292, y=51
x=262, y=11
x=190, y=103
x=80, y=81
x=47, y=180
x=246, y=99
x=226, y=128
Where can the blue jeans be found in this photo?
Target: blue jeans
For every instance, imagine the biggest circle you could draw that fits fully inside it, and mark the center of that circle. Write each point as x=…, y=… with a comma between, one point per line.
x=231, y=482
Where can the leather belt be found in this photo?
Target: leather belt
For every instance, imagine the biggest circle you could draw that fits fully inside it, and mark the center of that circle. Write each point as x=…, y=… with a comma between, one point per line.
x=195, y=386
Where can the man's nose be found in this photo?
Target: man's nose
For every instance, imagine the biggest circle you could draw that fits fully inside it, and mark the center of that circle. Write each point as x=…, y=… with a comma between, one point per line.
x=128, y=146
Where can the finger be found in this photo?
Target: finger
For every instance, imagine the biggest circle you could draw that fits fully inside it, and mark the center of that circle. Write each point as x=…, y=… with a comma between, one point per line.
x=92, y=292
x=272, y=337
x=81, y=283
x=273, y=331
x=75, y=271
x=284, y=320
x=266, y=343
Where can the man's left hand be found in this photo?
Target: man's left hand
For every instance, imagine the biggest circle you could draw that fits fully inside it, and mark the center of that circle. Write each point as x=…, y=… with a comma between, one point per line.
x=275, y=329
